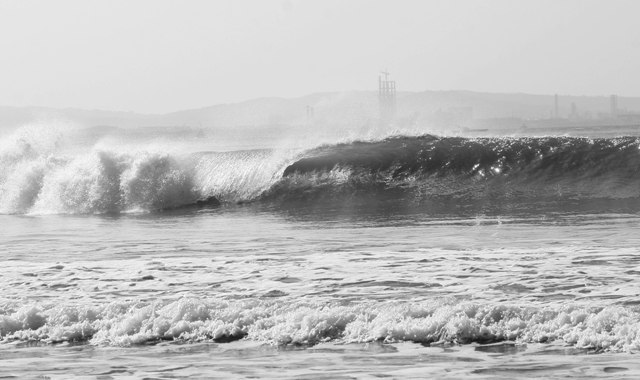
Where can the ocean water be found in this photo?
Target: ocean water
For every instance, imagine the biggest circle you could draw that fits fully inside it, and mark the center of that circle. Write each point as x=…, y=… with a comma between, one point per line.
x=176, y=255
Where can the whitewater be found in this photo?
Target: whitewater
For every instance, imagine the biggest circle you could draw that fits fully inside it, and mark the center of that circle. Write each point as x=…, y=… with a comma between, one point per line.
x=164, y=253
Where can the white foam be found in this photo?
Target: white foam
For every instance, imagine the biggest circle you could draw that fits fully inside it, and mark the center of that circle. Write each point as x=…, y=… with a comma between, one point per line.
x=297, y=322
x=41, y=176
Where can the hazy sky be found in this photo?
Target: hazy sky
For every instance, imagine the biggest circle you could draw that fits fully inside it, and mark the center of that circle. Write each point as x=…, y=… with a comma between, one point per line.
x=160, y=56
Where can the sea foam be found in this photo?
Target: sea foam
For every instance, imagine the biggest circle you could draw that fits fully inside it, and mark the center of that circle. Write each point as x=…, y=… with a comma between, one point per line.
x=306, y=323
x=41, y=176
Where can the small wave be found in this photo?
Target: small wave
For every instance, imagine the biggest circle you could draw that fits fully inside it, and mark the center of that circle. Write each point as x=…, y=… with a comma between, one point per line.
x=611, y=328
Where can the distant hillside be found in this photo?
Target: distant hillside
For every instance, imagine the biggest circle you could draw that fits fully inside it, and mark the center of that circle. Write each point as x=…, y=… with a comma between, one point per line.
x=338, y=109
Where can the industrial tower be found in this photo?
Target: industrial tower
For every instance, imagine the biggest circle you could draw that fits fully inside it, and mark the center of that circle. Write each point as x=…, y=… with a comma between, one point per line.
x=387, y=98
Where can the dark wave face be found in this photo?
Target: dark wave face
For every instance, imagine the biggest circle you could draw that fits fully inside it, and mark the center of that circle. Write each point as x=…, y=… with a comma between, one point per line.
x=459, y=172
x=404, y=156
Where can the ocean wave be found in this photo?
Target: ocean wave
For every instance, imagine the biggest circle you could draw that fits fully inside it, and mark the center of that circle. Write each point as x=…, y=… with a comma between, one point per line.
x=38, y=177
x=612, y=328
x=430, y=166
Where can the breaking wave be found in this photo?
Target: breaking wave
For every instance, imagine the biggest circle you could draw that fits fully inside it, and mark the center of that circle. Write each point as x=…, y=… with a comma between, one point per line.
x=464, y=168
x=38, y=177
x=612, y=328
